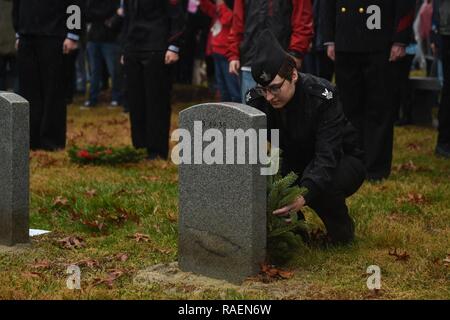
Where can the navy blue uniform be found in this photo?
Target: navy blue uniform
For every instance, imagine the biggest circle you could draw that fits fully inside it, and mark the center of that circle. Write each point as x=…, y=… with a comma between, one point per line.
x=363, y=69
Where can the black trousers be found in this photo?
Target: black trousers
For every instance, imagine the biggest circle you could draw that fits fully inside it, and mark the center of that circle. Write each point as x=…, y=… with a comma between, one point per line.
x=364, y=87
x=444, y=108
x=41, y=82
x=148, y=87
x=8, y=72
x=331, y=207
x=401, y=95
x=318, y=64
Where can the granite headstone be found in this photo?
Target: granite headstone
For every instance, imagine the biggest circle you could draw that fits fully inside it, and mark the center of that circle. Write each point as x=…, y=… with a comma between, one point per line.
x=14, y=169
x=222, y=224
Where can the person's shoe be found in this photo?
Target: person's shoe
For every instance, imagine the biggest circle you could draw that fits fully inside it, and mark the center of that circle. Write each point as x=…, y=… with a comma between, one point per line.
x=113, y=105
x=88, y=105
x=443, y=150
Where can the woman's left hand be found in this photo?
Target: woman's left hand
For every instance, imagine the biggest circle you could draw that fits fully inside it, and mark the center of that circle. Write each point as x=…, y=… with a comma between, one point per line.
x=295, y=206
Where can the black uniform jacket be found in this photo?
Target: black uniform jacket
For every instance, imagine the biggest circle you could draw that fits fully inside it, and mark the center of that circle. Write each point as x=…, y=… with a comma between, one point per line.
x=44, y=17
x=153, y=25
x=105, y=24
x=314, y=133
x=345, y=24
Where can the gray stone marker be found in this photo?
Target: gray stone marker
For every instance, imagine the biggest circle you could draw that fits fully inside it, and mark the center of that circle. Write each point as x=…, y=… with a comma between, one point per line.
x=222, y=223
x=14, y=169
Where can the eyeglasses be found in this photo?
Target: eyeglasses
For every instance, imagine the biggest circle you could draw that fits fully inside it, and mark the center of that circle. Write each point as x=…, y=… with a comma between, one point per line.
x=274, y=89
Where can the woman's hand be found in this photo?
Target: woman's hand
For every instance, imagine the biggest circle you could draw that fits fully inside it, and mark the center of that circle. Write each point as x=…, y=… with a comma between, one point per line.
x=171, y=57
x=295, y=206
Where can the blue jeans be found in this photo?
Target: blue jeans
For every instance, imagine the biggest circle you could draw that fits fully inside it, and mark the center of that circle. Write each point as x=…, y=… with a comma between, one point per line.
x=228, y=84
x=247, y=83
x=97, y=51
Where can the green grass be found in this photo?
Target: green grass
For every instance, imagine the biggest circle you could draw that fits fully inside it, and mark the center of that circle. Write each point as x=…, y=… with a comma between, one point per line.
x=410, y=212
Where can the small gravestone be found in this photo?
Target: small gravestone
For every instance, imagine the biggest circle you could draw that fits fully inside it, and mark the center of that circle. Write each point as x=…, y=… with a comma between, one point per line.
x=222, y=224
x=14, y=170
x=425, y=92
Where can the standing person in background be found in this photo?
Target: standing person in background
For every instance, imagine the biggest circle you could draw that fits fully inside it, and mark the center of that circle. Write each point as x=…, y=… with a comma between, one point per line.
x=290, y=21
x=316, y=61
x=104, y=26
x=152, y=38
x=228, y=84
x=7, y=47
x=44, y=41
x=441, y=45
x=362, y=61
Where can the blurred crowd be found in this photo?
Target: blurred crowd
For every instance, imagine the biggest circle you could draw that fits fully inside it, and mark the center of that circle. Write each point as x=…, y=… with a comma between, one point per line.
x=136, y=49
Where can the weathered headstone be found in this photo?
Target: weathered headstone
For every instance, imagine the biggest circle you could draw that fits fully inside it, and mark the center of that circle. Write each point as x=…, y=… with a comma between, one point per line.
x=14, y=169
x=222, y=224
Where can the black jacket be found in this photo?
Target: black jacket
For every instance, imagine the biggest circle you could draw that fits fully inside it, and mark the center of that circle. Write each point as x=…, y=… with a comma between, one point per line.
x=314, y=133
x=44, y=17
x=104, y=24
x=345, y=24
x=152, y=25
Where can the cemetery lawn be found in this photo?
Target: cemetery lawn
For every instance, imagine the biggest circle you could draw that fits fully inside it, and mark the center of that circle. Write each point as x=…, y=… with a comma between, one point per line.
x=123, y=219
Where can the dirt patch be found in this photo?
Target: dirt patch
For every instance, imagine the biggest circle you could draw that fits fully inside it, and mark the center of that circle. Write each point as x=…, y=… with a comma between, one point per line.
x=171, y=278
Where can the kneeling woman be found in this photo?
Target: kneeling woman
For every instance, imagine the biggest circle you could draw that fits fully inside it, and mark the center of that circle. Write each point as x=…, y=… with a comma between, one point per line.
x=318, y=142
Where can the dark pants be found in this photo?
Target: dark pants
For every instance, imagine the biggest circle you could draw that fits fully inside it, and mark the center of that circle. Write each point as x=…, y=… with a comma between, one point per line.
x=148, y=85
x=100, y=53
x=8, y=73
x=330, y=206
x=227, y=83
x=444, y=108
x=401, y=97
x=363, y=83
x=41, y=81
x=70, y=75
x=318, y=64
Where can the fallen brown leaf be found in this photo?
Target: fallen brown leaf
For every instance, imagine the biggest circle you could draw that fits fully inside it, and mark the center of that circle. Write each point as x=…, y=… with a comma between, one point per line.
x=112, y=276
x=60, y=201
x=270, y=273
x=413, y=147
x=71, y=243
x=122, y=257
x=41, y=264
x=447, y=261
x=172, y=217
x=139, y=237
x=399, y=256
x=151, y=178
x=413, y=198
x=91, y=193
x=90, y=263
x=34, y=275
x=96, y=224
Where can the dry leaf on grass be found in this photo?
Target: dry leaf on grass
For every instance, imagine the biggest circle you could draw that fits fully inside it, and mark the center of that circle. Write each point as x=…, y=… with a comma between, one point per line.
x=122, y=257
x=413, y=198
x=33, y=275
x=172, y=217
x=413, y=146
x=91, y=193
x=94, y=224
x=151, y=178
x=399, y=256
x=139, y=237
x=112, y=276
x=71, y=243
x=447, y=261
x=60, y=201
x=90, y=263
x=41, y=264
x=270, y=273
